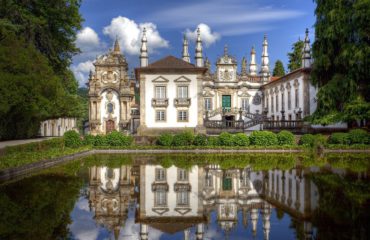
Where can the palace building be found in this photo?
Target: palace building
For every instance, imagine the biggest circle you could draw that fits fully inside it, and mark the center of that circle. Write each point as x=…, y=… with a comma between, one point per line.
x=174, y=94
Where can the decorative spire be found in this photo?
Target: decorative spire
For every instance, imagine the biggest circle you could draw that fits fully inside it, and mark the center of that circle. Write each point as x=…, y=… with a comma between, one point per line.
x=226, y=50
x=252, y=64
x=116, y=48
x=207, y=64
x=244, y=66
x=198, y=51
x=90, y=75
x=265, y=68
x=185, y=50
x=144, y=50
x=254, y=219
x=306, y=55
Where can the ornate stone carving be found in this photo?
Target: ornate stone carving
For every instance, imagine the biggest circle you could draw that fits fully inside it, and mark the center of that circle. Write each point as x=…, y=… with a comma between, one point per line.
x=257, y=99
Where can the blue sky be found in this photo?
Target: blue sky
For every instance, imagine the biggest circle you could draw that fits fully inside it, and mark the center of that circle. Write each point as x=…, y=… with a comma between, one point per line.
x=238, y=23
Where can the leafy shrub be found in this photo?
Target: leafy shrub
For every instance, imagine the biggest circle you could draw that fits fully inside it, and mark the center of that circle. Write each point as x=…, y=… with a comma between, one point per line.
x=200, y=140
x=240, y=139
x=320, y=141
x=263, y=138
x=116, y=139
x=339, y=138
x=89, y=140
x=358, y=136
x=183, y=139
x=213, y=141
x=72, y=139
x=165, y=139
x=226, y=139
x=285, y=138
x=100, y=140
x=307, y=140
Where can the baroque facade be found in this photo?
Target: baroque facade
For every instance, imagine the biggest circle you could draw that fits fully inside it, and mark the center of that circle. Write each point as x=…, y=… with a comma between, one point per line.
x=111, y=93
x=175, y=94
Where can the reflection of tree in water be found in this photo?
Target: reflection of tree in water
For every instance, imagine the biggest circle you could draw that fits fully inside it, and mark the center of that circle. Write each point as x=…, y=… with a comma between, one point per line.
x=38, y=207
x=344, y=207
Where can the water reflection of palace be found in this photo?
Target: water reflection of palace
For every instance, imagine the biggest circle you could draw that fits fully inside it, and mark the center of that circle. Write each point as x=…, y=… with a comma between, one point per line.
x=175, y=200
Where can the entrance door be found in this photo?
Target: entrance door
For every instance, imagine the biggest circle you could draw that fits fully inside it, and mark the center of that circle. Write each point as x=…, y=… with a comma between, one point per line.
x=109, y=126
x=226, y=102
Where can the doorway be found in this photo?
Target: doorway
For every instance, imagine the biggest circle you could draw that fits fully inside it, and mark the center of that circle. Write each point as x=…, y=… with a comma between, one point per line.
x=230, y=121
x=109, y=126
x=226, y=102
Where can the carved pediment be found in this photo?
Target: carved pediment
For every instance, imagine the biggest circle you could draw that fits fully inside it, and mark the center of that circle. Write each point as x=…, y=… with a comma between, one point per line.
x=207, y=92
x=244, y=92
x=182, y=187
x=183, y=211
x=182, y=79
x=160, y=79
x=160, y=211
x=159, y=187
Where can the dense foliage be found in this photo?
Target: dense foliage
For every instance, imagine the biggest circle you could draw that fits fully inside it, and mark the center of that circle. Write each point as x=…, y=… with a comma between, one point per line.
x=36, y=46
x=278, y=69
x=111, y=139
x=165, y=139
x=72, y=139
x=295, y=57
x=341, y=68
x=183, y=139
x=263, y=138
x=358, y=136
x=285, y=138
x=200, y=140
x=240, y=139
x=339, y=138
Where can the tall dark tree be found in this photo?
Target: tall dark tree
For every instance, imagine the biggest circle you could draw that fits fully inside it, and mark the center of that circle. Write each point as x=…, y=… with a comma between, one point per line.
x=295, y=57
x=278, y=69
x=51, y=27
x=341, y=53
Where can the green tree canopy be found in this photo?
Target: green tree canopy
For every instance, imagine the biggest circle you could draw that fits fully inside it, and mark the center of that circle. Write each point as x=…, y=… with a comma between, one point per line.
x=341, y=51
x=295, y=57
x=278, y=69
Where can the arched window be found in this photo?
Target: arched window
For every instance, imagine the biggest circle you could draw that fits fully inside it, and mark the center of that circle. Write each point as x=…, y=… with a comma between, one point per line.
x=110, y=107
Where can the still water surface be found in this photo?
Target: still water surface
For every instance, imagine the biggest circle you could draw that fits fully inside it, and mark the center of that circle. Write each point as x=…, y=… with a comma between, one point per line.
x=234, y=196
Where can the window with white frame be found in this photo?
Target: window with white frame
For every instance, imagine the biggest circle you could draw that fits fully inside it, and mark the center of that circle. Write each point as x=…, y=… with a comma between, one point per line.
x=182, y=92
x=160, y=92
x=208, y=104
x=289, y=100
x=182, y=198
x=272, y=103
x=160, y=198
x=296, y=98
x=182, y=116
x=160, y=174
x=160, y=115
x=245, y=104
x=182, y=175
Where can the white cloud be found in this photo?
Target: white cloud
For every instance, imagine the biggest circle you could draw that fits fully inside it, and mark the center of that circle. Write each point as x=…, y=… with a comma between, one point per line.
x=81, y=71
x=129, y=35
x=87, y=37
x=208, y=37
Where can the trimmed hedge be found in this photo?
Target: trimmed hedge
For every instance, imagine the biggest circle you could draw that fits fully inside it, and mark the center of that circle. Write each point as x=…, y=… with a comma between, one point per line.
x=339, y=138
x=226, y=139
x=313, y=140
x=240, y=139
x=285, y=138
x=200, y=140
x=165, y=139
x=358, y=136
x=112, y=139
x=185, y=138
x=263, y=138
x=72, y=139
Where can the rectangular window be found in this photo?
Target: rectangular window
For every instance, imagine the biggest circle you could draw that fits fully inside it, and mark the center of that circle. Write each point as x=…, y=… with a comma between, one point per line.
x=267, y=103
x=272, y=103
x=160, y=115
x=208, y=104
x=289, y=100
x=182, y=92
x=182, y=116
x=160, y=198
x=160, y=92
x=277, y=103
x=183, y=198
x=209, y=181
x=282, y=102
x=296, y=98
x=245, y=104
x=182, y=175
x=160, y=174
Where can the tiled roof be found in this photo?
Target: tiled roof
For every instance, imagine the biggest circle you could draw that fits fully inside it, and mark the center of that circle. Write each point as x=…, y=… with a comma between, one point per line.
x=171, y=62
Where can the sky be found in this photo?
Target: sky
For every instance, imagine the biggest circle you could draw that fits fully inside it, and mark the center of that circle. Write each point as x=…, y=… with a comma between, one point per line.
x=239, y=24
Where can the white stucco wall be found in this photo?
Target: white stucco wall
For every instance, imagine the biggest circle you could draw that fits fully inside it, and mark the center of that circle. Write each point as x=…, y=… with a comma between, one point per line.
x=57, y=127
x=171, y=94
x=171, y=179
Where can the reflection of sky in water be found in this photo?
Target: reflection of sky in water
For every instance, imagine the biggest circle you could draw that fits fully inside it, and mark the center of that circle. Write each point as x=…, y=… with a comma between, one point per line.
x=84, y=227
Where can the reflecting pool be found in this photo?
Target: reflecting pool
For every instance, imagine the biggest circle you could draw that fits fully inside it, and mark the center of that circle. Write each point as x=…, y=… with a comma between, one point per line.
x=233, y=196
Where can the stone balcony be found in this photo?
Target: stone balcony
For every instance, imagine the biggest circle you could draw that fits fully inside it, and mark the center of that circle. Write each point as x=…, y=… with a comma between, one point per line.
x=182, y=102
x=160, y=102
